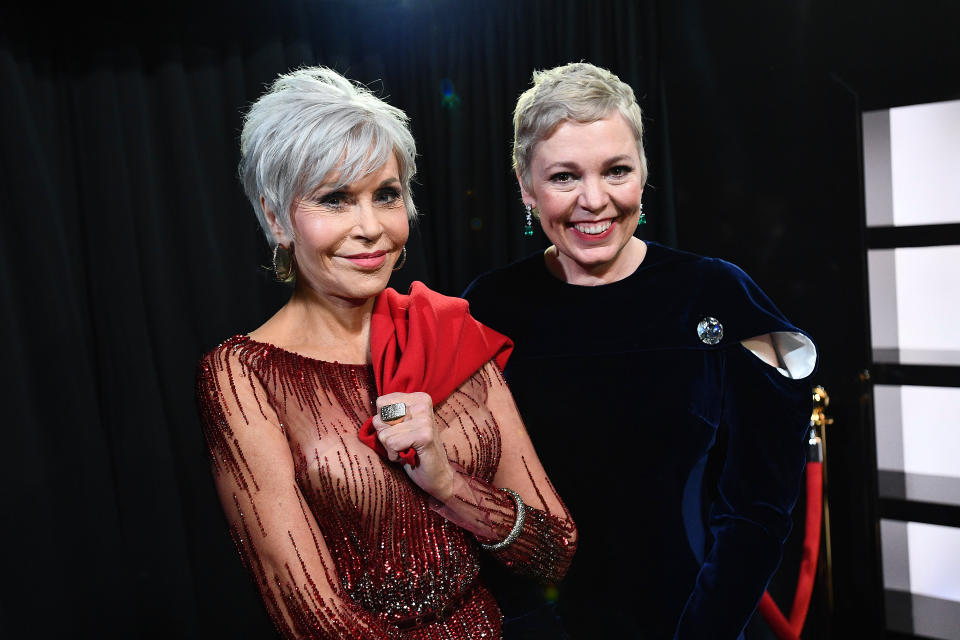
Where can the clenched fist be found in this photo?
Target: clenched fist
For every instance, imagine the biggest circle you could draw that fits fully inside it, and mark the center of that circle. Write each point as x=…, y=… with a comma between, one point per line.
x=417, y=429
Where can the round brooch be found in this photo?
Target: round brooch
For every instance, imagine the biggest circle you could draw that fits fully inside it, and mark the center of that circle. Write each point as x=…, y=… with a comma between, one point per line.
x=710, y=330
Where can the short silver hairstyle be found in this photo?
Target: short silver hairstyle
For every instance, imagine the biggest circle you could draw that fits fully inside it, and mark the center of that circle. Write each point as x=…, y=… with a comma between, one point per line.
x=311, y=122
x=578, y=91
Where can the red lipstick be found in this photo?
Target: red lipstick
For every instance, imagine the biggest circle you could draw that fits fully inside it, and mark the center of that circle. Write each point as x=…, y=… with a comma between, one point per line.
x=593, y=237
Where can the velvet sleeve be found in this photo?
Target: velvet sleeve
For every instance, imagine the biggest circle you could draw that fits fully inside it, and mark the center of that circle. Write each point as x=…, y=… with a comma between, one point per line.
x=765, y=415
x=548, y=538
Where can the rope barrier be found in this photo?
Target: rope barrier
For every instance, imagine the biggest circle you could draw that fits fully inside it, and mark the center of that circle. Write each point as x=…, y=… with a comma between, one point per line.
x=790, y=629
x=782, y=627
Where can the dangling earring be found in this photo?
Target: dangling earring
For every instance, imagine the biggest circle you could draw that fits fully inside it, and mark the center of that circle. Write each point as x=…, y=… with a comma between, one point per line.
x=403, y=259
x=283, y=273
x=528, y=227
x=643, y=216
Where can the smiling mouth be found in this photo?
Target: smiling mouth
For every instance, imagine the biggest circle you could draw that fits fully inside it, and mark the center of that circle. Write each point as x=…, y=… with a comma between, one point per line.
x=371, y=260
x=593, y=228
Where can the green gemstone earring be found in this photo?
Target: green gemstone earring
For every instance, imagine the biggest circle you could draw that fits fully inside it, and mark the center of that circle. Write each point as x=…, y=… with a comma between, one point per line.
x=528, y=227
x=643, y=216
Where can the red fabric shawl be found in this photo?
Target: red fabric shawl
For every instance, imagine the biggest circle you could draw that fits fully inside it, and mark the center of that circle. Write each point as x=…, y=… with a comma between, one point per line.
x=426, y=342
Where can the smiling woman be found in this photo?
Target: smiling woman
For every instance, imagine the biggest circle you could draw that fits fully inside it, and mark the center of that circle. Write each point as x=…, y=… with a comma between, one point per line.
x=348, y=237
x=632, y=360
x=586, y=182
x=355, y=523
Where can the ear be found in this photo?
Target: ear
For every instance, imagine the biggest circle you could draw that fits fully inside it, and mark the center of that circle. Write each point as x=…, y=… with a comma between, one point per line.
x=528, y=198
x=278, y=232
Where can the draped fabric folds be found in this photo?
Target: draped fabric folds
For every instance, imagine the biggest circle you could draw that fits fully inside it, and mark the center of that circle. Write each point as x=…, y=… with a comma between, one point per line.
x=426, y=342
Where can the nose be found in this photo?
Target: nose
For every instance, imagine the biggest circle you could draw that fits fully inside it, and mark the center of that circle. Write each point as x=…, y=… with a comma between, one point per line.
x=593, y=194
x=367, y=223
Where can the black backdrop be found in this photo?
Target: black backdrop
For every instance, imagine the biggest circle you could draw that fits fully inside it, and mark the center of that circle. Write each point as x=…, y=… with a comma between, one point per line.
x=128, y=248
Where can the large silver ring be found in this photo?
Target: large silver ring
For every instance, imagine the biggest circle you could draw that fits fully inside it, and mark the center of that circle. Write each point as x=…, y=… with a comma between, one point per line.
x=393, y=411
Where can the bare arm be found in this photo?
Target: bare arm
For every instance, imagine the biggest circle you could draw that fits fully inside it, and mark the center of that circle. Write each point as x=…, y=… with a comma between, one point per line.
x=762, y=347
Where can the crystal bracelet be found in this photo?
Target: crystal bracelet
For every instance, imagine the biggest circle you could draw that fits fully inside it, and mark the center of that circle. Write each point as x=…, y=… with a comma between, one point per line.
x=517, y=525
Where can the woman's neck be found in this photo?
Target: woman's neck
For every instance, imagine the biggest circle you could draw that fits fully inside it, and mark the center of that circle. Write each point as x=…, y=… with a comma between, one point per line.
x=322, y=327
x=623, y=265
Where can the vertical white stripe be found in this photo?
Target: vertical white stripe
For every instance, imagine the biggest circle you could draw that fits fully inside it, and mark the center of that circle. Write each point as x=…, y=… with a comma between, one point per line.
x=894, y=548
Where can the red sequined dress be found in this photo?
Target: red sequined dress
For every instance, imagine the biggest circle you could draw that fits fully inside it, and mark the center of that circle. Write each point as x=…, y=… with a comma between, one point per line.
x=340, y=542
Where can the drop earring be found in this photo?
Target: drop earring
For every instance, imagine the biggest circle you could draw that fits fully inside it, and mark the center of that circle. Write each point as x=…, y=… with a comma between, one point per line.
x=283, y=263
x=528, y=227
x=403, y=259
x=643, y=216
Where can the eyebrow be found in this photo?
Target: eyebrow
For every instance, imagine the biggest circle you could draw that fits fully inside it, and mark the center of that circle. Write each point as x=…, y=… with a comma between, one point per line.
x=329, y=185
x=568, y=164
x=561, y=165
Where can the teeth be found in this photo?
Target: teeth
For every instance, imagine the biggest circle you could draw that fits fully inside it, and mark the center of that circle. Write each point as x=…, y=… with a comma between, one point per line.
x=593, y=229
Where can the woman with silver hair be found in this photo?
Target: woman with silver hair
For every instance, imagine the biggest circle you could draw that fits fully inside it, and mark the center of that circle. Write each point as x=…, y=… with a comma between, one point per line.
x=631, y=361
x=365, y=447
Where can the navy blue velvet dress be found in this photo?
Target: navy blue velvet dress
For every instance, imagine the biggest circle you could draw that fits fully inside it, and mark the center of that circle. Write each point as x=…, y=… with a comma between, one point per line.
x=624, y=400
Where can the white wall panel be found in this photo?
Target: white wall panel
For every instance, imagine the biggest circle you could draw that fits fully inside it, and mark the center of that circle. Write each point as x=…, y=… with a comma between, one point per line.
x=931, y=433
x=877, y=172
x=918, y=429
x=912, y=178
x=924, y=289
x=925, y=163
x=895, y=552
x=921, y=558
x=911, y=158
x=934, y=560
x=928, y=297
x=882, y=285
x=888, y=420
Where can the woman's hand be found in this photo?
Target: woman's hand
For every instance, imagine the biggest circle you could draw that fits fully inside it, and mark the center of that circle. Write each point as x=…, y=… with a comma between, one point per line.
x=417, y=429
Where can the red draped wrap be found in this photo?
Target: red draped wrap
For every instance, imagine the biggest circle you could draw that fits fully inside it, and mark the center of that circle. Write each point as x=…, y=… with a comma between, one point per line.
x=424, y=341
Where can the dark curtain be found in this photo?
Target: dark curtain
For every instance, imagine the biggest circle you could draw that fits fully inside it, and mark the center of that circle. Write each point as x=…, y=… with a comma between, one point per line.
x=129, y=249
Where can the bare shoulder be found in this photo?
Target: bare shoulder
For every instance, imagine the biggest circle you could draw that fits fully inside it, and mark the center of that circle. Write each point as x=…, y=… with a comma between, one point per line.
x=762, y=347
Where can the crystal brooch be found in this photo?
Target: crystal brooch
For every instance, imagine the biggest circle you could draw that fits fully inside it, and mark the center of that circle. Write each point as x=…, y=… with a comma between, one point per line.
x=710, y=330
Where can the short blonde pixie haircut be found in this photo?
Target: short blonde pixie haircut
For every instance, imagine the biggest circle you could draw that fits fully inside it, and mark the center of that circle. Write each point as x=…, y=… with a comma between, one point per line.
x=580, y=92
x=311, y=122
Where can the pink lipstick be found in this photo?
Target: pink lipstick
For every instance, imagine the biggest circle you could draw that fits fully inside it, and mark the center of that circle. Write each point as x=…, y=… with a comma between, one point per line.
x=369, y=261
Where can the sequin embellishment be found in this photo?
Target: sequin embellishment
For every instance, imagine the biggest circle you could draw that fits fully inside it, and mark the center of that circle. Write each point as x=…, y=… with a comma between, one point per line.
x=364, y=553
x=710, y=330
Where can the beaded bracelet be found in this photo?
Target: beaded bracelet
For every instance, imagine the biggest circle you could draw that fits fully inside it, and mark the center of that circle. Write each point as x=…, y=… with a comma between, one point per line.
x=517, y=525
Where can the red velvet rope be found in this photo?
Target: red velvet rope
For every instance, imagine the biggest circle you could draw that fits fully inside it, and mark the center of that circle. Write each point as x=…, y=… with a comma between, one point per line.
x=790, y=629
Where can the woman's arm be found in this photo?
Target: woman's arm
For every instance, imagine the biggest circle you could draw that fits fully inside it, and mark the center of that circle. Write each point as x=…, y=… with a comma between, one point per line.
x=271, y=524
x=766, y=415
x=548, y=539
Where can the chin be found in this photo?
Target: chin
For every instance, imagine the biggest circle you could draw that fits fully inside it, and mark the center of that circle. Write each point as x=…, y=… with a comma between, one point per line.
x=594, y=257
x=356, y=287
x=370, y=286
